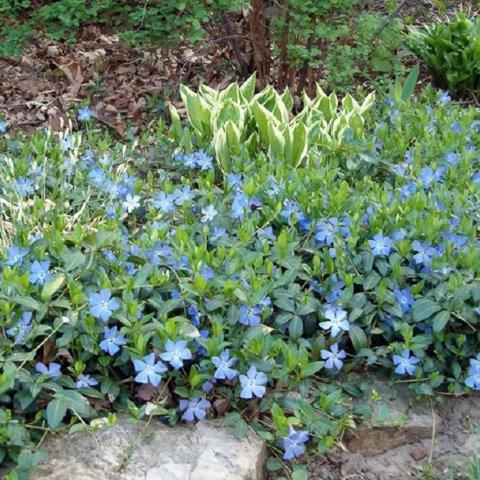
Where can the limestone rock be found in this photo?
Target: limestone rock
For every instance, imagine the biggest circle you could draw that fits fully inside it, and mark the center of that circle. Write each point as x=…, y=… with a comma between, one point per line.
x=394, y=422
x=205, y=451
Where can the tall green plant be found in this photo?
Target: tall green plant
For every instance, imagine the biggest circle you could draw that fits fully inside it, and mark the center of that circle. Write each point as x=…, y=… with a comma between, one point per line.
x=451, y=51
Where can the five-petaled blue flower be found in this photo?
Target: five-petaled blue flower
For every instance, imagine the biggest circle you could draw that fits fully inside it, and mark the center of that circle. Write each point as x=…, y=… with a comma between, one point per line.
x=84, y=114
x=112, y=340
x=175, y=353
x=333, y=357
x=294, y=444
x=404, y=298
x=249, y=316
x=224, y=364
x=209, y=213
x=405, y=363
x=52, y=371
x=85, y=381
x=195, y=408
x=149, y=371
x=15, y=255
x=3, y=126
x=337, y=321
x=102, y=305
x=40, y=272
x=473, y=378
x=21, y=329
x=425, y=253
x=252, y=383
x=380, y=245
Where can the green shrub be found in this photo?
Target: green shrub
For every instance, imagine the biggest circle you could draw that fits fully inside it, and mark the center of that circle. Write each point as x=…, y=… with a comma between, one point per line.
x=451, y=50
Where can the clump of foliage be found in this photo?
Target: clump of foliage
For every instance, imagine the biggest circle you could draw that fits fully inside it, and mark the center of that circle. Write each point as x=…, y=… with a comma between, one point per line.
x=451, y=51
x=156, y=278
x=137, y=22
x=336, y=39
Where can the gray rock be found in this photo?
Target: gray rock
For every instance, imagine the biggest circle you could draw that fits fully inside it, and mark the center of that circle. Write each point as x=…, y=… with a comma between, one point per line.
x=395, y=421
x=205, y=451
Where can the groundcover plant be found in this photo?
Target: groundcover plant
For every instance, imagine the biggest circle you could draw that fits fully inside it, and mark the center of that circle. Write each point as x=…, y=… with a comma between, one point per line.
x=151, y=278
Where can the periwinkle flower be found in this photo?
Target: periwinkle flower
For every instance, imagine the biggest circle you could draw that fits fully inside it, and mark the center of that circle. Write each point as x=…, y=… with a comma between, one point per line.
x=131, y=203
x=249, y=316
x=15, y=255
x=3, y=126
x=24, y=186
x=21, y=329
x=252, y=384
x=380, y=245
x=149, y=371
x=195, y=408
x=337, y=321
x=405, y=363
x=473, y=376
x=404, y=298
x=208, y=213
x=51, y=371
x=183, y=195
x=425, y=253
x=85, y=381
x=333, y=357
x=112, y=340
x=175, y=353
x=294, y=444
x=102, y=305
x=164, y=202
x=40, y=272
x=224, y=364
x=84, y=114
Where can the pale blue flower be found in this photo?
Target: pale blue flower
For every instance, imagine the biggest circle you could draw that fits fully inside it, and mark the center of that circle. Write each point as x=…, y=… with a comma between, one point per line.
x=131, y=202
x=404, y=298
x=149, y=371
x=209, y=213
x=405, y=363
x=112, y=340
x=175, y=353
x=52, y=370
x=294, y=444
x=84, y=114
x=224, y=364
x=102, y=305
x=40, y=272
x=380, y=245
x=252, y=384
x=337, y=321
x=15, y=255
x=194, y=408
x=333, y=357
x=85, y=381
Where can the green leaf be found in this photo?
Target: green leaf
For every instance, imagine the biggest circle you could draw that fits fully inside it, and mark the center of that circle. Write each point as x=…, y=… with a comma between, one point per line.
x=440, y=320
x=75, y=401
x=56, y=410
x=410, y=83
x=424, y=308
x=73, y=260
x=311, y=369
x=358, y=337
x=52, y=286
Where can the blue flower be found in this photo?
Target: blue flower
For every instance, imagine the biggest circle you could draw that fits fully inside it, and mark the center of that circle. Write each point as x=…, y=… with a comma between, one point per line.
x=3, y=126
x=203, y=160
x=217, y=233
x=451, y=158
x=207, y=272
x=194, y=315
x=404, y=298
x=175, y=353
x=85, y=381
x=425, y=253
x=336, y=289
x=333, y=357
x=428, y=176
x=148, y=370
x=249, y=316
x=224, y=364
x=15, y=255
x=131, y=202
x=112, y=340
x=444, y=97
x=234, y=180
x=294, y=444
x=473, y=378
x=456, y=127
x=24, y=186
x=290, y=208
x=102, y=305
x=407, y=190
x=209, y=213
x=405, y=363
x=337, y=321
x=380, y=245
x=194, y=408
x=21, y=329
x=164, y=202
x=183, y=195
x=325, y=231
x=252, y=383
x=40, y=272
x=52, y=371
x=84, y=114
